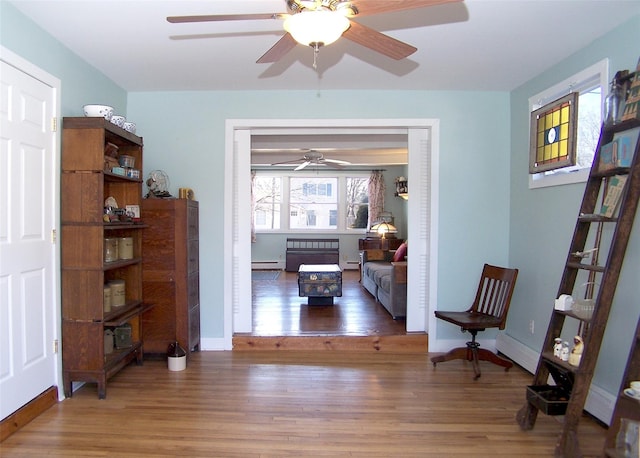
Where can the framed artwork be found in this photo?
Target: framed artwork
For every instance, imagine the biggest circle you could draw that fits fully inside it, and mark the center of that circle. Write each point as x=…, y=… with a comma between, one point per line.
x=133, y=210
x=553, y=135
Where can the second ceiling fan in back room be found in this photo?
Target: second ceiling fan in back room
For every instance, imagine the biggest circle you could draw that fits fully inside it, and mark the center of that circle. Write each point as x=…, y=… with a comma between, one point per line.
x=319, y=23
x=313, y=157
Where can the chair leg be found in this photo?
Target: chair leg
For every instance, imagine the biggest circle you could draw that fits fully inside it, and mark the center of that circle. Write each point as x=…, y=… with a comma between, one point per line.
x=472, y=352
x=473, y=347
x=456, y=353
x=486, y=355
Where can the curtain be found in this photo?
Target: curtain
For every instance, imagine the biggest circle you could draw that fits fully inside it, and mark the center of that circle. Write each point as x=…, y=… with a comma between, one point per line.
x=376, y=196
x=253, y=207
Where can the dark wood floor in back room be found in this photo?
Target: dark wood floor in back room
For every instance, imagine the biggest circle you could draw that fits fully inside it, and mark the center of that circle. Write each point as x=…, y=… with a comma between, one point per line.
x=279, y=311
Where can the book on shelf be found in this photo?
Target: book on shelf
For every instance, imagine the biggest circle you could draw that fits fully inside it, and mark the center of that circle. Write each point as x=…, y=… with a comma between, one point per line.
x=614, y=189
x=632, y=105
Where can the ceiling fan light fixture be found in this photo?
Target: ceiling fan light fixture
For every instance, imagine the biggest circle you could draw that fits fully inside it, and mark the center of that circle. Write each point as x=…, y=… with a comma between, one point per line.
x=316, y=28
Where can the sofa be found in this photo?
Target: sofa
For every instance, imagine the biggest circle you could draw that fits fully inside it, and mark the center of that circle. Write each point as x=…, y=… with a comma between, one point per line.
x=384, y=275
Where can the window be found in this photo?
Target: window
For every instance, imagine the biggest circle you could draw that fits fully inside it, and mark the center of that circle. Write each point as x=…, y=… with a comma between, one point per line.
x=333, y=217
x=357, y=202
x=336, y=201
x=313, y=200
x=590, y=84
x=268, y=202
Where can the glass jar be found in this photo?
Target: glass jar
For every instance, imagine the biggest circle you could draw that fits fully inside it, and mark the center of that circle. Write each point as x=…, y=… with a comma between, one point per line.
x=110, y=249
x=125, y=248
x=614, y=103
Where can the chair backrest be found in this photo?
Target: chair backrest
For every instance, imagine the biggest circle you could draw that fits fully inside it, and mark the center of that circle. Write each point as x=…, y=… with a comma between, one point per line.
x=494, y=292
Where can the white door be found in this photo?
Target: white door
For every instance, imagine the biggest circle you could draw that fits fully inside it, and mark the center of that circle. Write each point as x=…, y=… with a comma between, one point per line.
x=28, y=255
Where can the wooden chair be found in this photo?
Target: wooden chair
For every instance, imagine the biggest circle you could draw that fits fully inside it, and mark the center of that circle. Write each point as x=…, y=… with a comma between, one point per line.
x=489, y=310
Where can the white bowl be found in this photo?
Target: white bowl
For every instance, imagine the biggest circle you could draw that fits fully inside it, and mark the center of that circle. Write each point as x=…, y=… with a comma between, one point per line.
x=98, y=111
x=118, y=120
x=130, y=127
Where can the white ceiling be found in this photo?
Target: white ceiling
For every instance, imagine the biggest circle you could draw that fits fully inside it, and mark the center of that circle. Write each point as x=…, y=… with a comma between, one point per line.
x=360, y=149
x=474, y=45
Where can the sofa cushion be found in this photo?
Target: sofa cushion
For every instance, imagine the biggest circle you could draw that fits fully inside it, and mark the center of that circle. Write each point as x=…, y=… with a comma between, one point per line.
x=373, y=269
x=400, y=253
x=383, y=280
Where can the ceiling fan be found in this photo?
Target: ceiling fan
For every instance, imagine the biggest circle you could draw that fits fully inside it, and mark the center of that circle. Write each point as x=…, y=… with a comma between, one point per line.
x=319, y=23
x=315, y=158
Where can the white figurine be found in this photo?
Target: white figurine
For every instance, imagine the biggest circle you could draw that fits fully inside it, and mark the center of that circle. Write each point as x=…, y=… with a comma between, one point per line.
x=576, y=351
x=557, y=347
x=564, y=355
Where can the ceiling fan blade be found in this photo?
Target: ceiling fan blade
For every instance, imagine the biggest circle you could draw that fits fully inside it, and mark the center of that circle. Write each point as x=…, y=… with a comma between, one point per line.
x=371, y=7
x=302, y=166
x=287, y=162
x=337, y=161
x=225, y=17
x=378, y=42
x=332, y=164
x=278, y=50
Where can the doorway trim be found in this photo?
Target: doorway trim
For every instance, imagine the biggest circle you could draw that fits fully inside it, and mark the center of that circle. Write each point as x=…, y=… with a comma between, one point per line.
x=423, y=138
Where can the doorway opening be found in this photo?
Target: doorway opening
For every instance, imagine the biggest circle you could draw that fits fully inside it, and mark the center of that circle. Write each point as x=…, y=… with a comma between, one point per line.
x=423, y=150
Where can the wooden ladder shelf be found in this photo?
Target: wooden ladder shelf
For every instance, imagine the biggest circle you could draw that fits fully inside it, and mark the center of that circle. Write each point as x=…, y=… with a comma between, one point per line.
x=590, y=225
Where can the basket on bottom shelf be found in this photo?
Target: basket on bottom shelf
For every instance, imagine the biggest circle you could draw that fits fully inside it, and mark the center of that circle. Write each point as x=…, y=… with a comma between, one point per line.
x=552, y=399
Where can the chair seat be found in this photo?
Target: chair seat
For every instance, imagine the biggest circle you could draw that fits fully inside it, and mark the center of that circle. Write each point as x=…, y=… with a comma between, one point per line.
x=470, y=320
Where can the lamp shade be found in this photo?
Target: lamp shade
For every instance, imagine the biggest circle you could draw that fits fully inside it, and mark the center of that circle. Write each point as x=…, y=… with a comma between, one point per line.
x=384, y=228
x=318, y=27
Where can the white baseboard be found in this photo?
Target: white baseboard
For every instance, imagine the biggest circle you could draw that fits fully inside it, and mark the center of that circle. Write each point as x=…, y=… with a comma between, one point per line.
x=518, y=352
x=215, y=344
x=600, y=403
x=268, y=265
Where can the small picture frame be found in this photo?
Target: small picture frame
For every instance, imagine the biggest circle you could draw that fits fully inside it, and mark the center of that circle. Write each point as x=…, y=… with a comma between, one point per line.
x=133, y=210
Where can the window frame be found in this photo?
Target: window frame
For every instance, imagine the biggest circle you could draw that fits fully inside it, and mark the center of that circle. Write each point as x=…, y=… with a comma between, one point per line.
x=593, y=75
x=285, y=202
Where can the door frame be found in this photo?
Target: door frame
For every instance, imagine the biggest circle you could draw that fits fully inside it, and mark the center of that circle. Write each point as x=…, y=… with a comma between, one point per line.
x=20, y=63
x=423, y=139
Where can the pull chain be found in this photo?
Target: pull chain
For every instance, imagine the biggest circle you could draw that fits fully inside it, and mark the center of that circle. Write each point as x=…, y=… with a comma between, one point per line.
x=316, y=51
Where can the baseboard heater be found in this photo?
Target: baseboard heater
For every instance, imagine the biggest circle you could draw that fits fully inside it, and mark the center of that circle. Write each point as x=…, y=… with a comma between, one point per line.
x=267, y=265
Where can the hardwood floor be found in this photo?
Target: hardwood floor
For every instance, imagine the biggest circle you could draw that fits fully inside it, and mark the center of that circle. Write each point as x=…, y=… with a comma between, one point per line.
x=264, y=404
x=389, y=402
x=282, y=320
x=279, y=311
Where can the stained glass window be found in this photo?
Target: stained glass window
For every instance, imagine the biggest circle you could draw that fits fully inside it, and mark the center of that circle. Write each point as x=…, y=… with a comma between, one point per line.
x=553, y=135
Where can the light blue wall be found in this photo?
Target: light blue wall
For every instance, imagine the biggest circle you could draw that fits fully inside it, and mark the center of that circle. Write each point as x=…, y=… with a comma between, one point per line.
x=184, y=135
x=542, y=221
x=82, y=84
